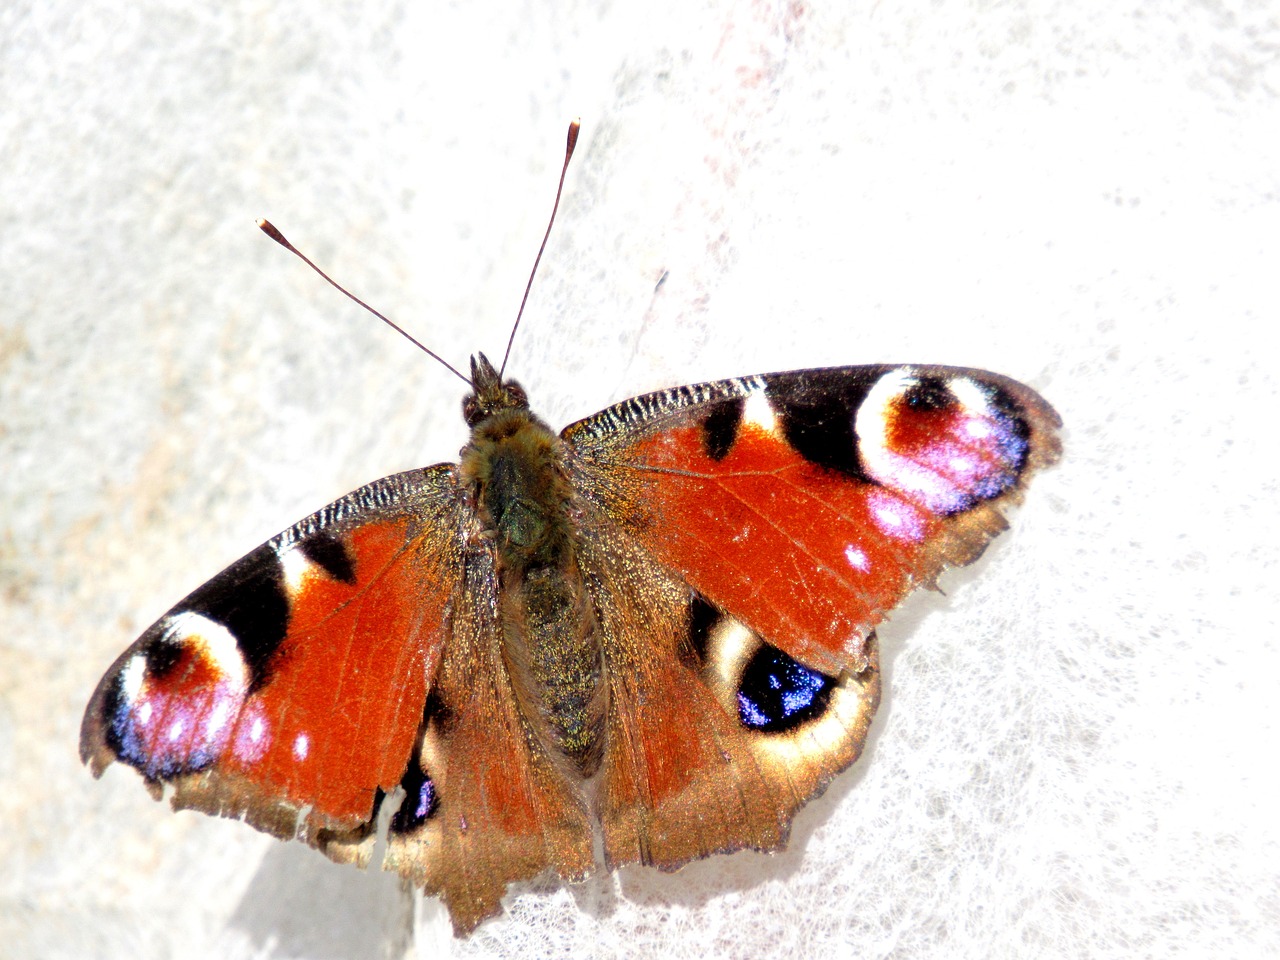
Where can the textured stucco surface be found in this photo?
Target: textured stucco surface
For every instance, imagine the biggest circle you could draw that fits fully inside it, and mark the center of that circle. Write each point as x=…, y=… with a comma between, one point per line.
x=1073, y=758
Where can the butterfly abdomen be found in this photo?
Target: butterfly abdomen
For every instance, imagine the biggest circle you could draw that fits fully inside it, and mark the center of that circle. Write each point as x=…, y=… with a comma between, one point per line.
x=513, y=471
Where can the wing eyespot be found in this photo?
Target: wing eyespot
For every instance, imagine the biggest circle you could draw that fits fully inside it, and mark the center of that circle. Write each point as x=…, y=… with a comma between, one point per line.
x=947, y=443
x=777, y=694
x=421, y=791
x=702, y=619
x=794, y=717
x=173, y=707
x=420, y=800
x=765, y=689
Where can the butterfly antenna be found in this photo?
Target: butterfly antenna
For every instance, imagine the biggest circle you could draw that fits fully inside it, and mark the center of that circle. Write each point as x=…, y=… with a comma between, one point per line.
x=269, y=229
x=568, y=155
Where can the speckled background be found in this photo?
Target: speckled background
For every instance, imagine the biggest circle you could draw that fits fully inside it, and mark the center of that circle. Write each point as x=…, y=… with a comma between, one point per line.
x=1074, y=755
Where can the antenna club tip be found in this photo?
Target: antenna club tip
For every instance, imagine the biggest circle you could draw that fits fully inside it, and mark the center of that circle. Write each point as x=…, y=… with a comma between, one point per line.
x=574, y=127
x=267, y=227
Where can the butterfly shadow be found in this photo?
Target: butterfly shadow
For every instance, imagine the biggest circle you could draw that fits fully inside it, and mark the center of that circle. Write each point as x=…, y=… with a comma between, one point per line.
x=299, y=904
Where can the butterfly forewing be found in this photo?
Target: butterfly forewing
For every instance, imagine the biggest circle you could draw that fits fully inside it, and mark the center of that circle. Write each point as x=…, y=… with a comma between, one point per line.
x=809, y=503
x=288, y=689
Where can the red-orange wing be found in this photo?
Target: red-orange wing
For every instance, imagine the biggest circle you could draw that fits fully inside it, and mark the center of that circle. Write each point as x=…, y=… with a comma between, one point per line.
x=808, y=504
x=357, y=652
x=288, y=690
x=743, y=538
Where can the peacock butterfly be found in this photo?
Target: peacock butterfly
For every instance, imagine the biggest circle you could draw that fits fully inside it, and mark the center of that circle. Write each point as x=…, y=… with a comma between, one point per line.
x=657, y=625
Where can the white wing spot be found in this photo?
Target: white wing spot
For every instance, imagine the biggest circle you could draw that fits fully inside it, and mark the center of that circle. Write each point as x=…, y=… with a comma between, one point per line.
x=888, y=517
x=971, y=396
x=896, y=518
x=857, y=559
x=252, y=736
x=296, y=569
x=301, y=746
x=219, y=717
x=758, y=411
x=872, y=417
x=131, y=679
x=977, y=428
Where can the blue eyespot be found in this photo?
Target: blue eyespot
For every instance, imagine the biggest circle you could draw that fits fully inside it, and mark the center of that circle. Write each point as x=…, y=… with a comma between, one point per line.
x=420, y=800
x=778, y=694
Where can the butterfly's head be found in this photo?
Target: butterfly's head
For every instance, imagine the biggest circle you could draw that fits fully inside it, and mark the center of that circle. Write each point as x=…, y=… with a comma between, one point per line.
x=490, y=393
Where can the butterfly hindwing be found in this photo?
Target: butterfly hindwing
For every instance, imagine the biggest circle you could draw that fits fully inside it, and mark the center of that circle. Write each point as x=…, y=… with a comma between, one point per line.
x=495, y=806
x=779, y=519
x=685, y=774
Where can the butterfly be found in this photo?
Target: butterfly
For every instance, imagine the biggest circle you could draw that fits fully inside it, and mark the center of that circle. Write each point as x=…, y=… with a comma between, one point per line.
x=655, y=627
